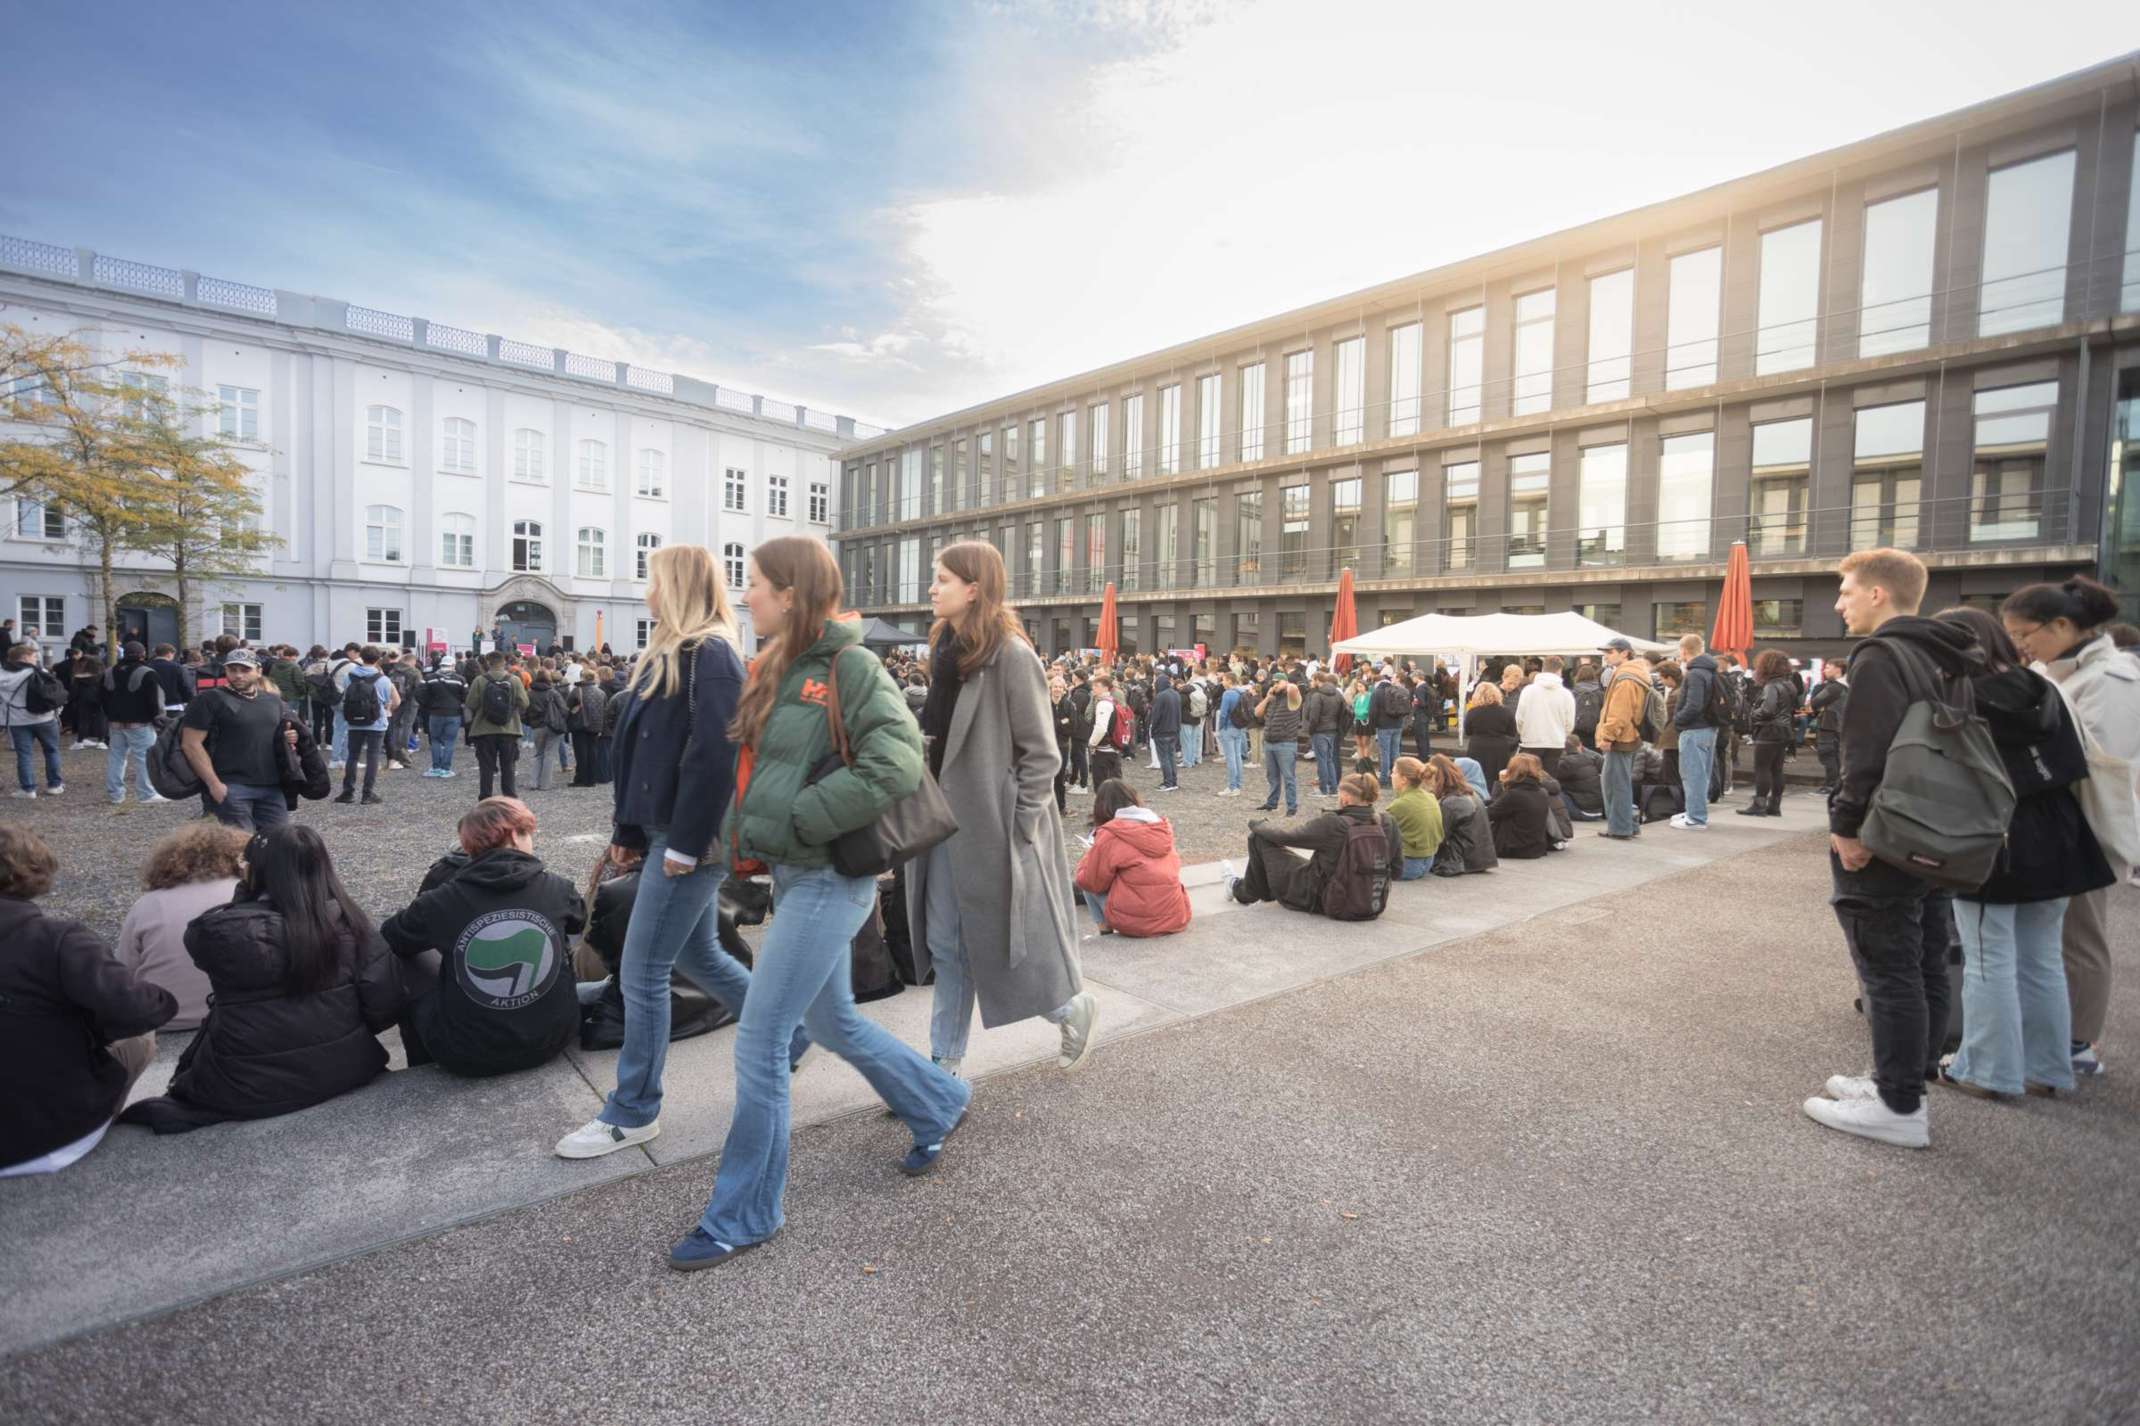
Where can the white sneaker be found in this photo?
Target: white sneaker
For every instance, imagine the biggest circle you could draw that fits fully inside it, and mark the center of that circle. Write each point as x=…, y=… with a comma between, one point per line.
x=1872, y=1119
x=595, y=1138
x=55, y=789
x=153, y=797
x=1231, y=877
x=1076, y=791
x=1679, y=820
x=1851, y=1086
x=1077, y=1031
x=392, y=766
x=29, y=794
x=950, y=1066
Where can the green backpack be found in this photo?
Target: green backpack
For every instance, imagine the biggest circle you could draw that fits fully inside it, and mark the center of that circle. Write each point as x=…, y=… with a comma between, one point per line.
x=1943, y=805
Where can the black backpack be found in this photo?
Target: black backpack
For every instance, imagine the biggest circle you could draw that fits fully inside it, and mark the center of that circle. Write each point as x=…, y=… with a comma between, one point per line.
x=1727, y=701
x=1589, y=706
x=497, y=699
x=169, y=772
x=360, y=701
x=321, y=685
x=1392, y=702
x=553, y=712
x=1360, y=884
x=43, y=693
x=1240, y=715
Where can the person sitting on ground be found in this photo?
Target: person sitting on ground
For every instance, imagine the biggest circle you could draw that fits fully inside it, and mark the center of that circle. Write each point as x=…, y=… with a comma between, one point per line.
x=1472, y=773
x=1418, y=816
x=76, y=1026
x=190, y=872
x=1521, y=817
x=301, y=986
x=1336, y=881
x=486, y=958
x=1130, y=877
x=1490, y=731
x=1467, y=835
x=1581, y=776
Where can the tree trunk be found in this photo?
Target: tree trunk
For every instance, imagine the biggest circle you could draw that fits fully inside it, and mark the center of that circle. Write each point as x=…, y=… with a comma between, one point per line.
x=111, y=603
x=185, y=605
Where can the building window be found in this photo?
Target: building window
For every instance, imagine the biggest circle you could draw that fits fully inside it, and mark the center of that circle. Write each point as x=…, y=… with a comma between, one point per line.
x=1036, y=451
x=1672, y=620
x=237, y=413
x=528, y=456
x=1169, y=429
x=1133, y=436
x=1467, y=364
x=732, y=566
x=1404, y=380
x=383, y=627
x=594, y=466
x=645, y=547
x=2013, y=432
x=1694, y=308
x=1344, y=524
x=1098, y=446
x=43, y=616
x=1601, y=506
x=1252, y=411
x=2129, y=299
x=1292, y=531
x=1461, y=513
x=382, y=435
x=591, y=553
x=1779, y=618
x=1207, y=422
x=735, y=487
x=776, y=489
x=1887, y=476
x=240, y=620
x=1400, y=520
x=1248, y=535
x=2028, y=208
x=910, y=576
x=1895, y=294
x=641, y=629
x=984, y=463
x=1203, y=540
x=1065, y=554
x=527, y=546
x=1351, y=391
x=1606, y=614
x=457, y=446
x=653, y=473
x=937, y=503
x=1299, y=401
x=1612, y=336
x=1095, y=552
x=821, y=500
x=1011, y=484
x=39, y=520
x=1166, y=521
x=1783, y=466
x=1066, y=440
x=457, y=541
x=911, y=494
x=1530, y=479
x=1132, y=547
x=150, y=389
x=1533, y=357
x=382, y=533
x=1788, y=328
x=1686, y=470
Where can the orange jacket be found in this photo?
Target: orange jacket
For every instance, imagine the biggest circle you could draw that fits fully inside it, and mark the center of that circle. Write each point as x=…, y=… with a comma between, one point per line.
x=1625, y=693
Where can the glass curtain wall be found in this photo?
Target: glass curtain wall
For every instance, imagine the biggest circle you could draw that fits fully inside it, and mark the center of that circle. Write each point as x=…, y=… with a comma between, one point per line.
x=1467, y=364
x=1694, y=308
x=1601, y=506
x=1895, y=298
x=1686, y=469
x=1789, y=321
x=1529, y=480
x=1612, y=336
x=1404, y=380
x=2027, y=217
x=1533, y=359
x=1887, y=476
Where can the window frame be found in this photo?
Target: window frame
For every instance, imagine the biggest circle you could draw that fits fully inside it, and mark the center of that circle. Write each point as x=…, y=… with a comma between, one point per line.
x=457, y=452
x=590, y=540
x=391, y=524
x=531, y=456
x=383, y=444
x=527, y=552
x=237, y=415
x=652, y=474
x=447, y=532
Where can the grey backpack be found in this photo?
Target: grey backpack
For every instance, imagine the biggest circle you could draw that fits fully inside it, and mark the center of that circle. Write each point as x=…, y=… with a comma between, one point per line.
x=1943, y=805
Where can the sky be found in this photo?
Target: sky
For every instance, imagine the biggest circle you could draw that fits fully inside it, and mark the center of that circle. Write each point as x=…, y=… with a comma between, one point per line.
x=894, y=210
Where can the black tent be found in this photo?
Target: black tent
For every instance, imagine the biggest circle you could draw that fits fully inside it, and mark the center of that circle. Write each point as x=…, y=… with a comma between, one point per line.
x=876, y=634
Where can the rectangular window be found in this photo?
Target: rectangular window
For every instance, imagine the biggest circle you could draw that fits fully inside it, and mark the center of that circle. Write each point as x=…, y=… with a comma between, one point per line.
x=1204, y=539
x=1133, y=436
x=1207, y=422
x=1686, y=470
x=383, y=627
x=1066, y=440
x=1095, y=552
x=1169, y=429
x=1098, y=450
x=1601, y=506
x=984, y=465
x=1292, y=634
x=237, y=413
x=2129, y=298
x=39, y=520
x=43, y=616
x=1462, y=514
x=1672, y=620
x=1467, y=364
x=1013, y=486
x=1895, y=296
x=1132, y=547
x=1036, y=545
x=820, y=502
x=735, y=490
x=938, y=501
x=1529, y=481
x=1788, y=328
x=528, y=455
x=2013, y=432
x=1783, y=467
x=1606, y=614
x=151, y=385
x=2027, y=214
x=641, y=629
x=1036, y=451
x=910, y=578
x=1292, y=531
x=1779, y=618
x=1344, y=525
x=1252, y=411
x=1887, y=476
x=382, y=432
x=1351, y=391
x=776, y=489
x=242, y=620
x=1299, y=401
x=1168, y=518
x=1694, y=308
x=1248, y=535
x=1065, y=554
x=1612, y=336
x=1404, y=379
x=1400, y=520
x=382, y=533
x=1533, y=357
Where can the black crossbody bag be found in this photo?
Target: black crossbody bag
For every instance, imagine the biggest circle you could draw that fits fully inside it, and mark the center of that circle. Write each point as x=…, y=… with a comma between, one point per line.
x=905, y=830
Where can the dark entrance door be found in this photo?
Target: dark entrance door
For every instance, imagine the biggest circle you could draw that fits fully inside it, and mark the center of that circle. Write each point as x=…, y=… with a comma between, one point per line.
x=151, y=626
x=529, y=623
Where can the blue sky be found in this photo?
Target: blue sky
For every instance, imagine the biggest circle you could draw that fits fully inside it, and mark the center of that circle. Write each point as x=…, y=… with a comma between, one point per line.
x=897, y=209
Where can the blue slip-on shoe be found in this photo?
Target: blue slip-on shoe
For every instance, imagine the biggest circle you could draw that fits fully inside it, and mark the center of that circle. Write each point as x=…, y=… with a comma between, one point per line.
x=922, y=1158
x=699, y=1249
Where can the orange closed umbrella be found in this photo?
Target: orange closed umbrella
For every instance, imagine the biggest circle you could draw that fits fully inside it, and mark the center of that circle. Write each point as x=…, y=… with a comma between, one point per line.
x=1344, y=621
x=1109, y=637
x=1734, y=629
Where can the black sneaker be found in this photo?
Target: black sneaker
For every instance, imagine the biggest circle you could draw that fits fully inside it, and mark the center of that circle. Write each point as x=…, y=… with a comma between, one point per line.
x=373, y=799
x=348, y=795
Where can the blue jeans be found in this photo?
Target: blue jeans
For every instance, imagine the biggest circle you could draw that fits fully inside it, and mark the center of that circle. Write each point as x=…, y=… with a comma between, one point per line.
x=675, y=925
x=2016, y=1020
x=1233, y=742
x=445, y=731
x=252, y=807
x=138, y=740
x=951, y=1008
x=1277, y=767
x=1575, y=813
x=1619, y=783
x=341, y=737
x=28, y=737
x=1192, y=743
x=1697, y=755
x=804, y=980
x=1415, y=868
x=1386, y=740
x=1096, y=904
x=1324, y=746
x=1168, y=746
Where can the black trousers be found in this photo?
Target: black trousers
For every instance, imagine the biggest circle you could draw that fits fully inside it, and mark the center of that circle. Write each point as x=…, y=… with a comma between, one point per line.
x=364, y=742
x=1829, y=747
x=1671, y=779
x=1768, y=775
x=1549, y=759
x=496, y=754
x=1078, y=766
x=586, y=770
x=322, y=723
x=1275, y=874
x=1900, y=932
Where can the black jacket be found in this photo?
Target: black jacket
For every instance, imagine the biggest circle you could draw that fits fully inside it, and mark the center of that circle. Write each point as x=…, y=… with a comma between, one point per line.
x=1522, y=821
x=1775, y=705
x=1467, y=836
x=515, y=1006
x=2050, y=849
x=131, y=693
x=1490, y=736
x=1325, y=711
x=1165, y=715
x=671, y=771
x=1827, y=702
x=1873, y=713
x=304, y=767
x=1325, y=837
x=1581, y=775
x=63, y=998
x=585, y=704
x=1389, y=705
x=442, y=693
x=266, y=1049
x=1065, y=729
x=1700, y=678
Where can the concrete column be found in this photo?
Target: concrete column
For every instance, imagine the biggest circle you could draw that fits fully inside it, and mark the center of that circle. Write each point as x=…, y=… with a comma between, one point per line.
x=421, y=541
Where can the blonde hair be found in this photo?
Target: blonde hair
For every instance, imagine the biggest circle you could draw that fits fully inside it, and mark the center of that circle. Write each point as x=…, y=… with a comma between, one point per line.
x=1485, y=695
x=1409, y=771
x=690, y=605
x=1898, y=572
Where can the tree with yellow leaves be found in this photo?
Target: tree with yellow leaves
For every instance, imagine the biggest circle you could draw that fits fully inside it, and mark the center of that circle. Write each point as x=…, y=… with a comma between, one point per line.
x=194, y=504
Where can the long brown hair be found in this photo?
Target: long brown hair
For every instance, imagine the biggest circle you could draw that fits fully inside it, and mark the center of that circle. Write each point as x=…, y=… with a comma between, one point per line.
x=806, y=567
x=988, y=621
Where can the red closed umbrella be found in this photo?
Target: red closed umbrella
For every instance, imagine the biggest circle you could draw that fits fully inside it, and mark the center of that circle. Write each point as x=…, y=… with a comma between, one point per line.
x=1734, y=630
x=1344, y=622
x=1109, y=637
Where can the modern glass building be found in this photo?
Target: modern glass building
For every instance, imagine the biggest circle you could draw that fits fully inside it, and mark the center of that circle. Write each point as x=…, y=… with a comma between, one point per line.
x=1928, y=339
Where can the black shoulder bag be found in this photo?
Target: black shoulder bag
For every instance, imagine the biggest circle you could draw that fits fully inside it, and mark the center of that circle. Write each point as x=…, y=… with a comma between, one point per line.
x=904, y=831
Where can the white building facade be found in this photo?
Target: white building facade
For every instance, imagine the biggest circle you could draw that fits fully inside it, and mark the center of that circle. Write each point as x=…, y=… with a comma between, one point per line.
x=422, y=482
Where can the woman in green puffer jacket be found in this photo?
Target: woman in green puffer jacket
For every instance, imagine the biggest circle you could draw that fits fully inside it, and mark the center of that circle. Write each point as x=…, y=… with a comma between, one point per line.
x=786, y=817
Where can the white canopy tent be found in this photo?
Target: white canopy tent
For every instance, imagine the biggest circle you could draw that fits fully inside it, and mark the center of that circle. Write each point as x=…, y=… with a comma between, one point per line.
x=1469, y=636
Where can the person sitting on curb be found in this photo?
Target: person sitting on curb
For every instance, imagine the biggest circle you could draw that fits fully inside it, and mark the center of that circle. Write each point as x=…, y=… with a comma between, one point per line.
x=1467, y=835
x=1418, y=817
x=1331, y=882
x=1130, y=877
x=1521, y=816
x=1581, y=778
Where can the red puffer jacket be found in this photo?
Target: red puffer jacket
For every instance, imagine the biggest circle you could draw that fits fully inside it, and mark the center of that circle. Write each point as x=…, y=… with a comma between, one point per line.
x=1133, y=864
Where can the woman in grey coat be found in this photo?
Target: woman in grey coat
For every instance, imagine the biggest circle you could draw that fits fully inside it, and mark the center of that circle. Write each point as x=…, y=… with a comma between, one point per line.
x=991, y=907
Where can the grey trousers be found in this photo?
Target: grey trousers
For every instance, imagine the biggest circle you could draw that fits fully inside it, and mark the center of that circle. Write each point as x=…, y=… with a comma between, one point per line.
x=2087, y=955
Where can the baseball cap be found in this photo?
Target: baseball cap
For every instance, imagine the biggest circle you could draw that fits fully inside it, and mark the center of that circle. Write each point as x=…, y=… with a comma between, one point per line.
x=244, y=656
x=1621, y=644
